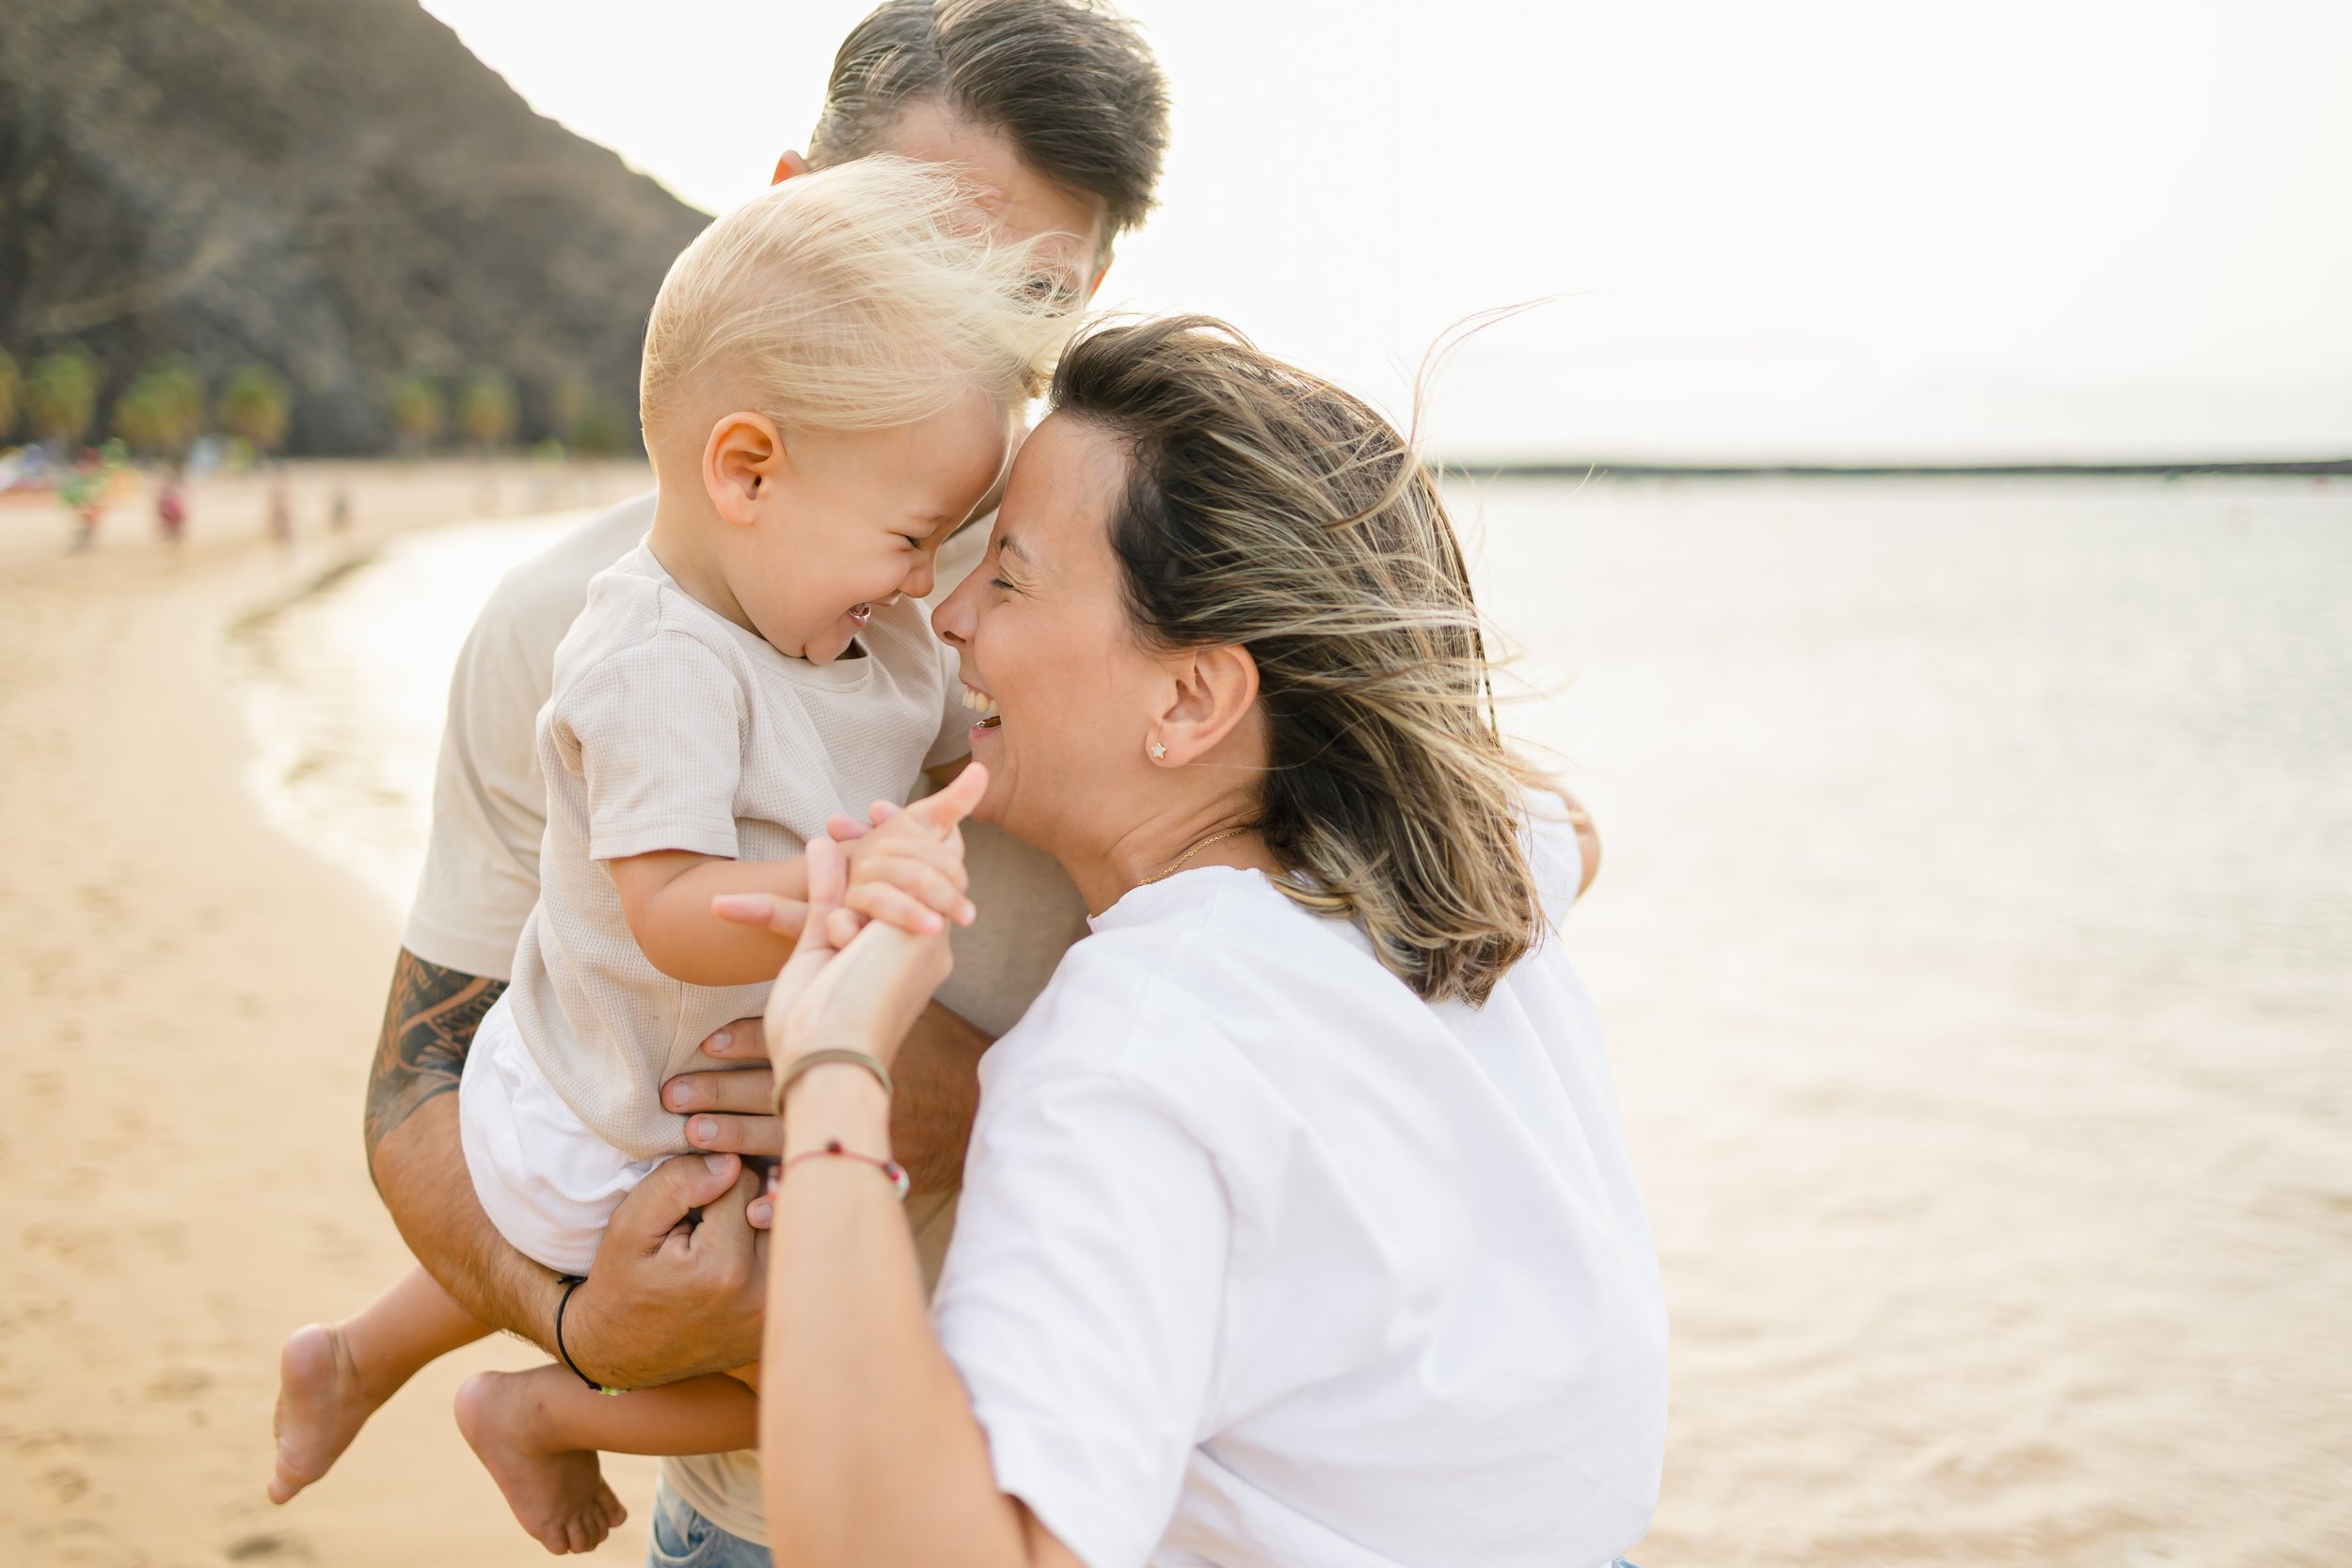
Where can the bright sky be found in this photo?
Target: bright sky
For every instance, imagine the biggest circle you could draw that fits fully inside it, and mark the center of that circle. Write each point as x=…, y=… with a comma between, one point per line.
x=1811, y=231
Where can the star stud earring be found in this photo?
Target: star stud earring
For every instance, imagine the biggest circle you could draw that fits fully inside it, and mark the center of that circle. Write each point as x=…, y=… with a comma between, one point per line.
x=1159, y=753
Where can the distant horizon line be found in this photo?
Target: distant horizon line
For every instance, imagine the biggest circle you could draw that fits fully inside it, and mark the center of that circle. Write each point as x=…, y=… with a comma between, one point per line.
x=1597, y=469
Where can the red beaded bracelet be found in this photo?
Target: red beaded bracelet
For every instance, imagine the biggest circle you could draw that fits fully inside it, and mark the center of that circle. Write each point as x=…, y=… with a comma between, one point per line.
x=899, y=1182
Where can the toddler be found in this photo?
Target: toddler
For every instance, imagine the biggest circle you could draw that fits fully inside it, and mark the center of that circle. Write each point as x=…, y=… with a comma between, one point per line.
x=833, y=375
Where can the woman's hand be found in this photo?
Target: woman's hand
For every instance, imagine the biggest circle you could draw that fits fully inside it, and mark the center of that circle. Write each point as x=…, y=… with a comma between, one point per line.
x=866, y=994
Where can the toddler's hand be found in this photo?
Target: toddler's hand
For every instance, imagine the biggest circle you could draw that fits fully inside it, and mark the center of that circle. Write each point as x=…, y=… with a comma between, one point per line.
x=908, y=869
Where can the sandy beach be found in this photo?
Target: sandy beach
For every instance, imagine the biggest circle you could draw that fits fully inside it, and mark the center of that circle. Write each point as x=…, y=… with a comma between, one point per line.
x=189, y=1001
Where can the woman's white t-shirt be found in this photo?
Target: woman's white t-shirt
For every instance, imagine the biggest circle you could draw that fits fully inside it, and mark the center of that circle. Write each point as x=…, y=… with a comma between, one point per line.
x=1262, y=1259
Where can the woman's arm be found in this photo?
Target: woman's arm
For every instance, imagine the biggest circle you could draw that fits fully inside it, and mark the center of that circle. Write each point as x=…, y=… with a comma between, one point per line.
x=875, y=1459
x=1090, y=1357
x=1081, y=1306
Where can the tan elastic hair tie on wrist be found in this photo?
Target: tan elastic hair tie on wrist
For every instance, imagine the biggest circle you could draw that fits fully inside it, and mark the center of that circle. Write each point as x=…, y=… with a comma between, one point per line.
x=793, y=1070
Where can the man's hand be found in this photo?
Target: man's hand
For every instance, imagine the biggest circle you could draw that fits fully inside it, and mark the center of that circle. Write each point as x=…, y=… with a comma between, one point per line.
x=668, y=1301
x=726, y=1107
x=667, y=1297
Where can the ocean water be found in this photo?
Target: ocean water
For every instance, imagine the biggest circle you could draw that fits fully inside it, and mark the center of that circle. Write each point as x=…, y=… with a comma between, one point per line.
x=1975, y=940
x=345, y=684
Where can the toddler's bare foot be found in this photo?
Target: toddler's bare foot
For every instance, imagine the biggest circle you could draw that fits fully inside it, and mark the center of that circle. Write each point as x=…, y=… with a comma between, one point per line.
x=557, y=1493
x=321, y=1407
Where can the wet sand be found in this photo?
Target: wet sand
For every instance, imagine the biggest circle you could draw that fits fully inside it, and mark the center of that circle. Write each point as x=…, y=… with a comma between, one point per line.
x=187, y=1006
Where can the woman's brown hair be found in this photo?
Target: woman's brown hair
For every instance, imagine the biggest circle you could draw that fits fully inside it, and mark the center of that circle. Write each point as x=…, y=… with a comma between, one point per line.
x=1267, y=508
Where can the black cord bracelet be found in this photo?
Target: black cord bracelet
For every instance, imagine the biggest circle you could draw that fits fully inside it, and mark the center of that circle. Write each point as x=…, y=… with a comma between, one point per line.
x=573, y=1282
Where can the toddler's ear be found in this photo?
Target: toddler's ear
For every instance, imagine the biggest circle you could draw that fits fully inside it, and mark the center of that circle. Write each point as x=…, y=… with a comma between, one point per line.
x=742, y=459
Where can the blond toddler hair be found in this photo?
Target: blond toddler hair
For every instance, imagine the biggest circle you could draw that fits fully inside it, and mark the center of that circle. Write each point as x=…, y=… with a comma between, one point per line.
x=860, y=297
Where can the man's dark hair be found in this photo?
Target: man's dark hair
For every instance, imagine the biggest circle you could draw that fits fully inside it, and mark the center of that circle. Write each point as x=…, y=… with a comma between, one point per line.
x=1070, y=83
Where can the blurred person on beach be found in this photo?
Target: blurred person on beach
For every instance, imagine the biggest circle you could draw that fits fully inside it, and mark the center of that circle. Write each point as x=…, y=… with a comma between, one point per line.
x=281, y=529
x=83, y=493
x=834, y=376
x=171, y=508
x=1298, y=1225
x=338, y=513
x=1058, y=112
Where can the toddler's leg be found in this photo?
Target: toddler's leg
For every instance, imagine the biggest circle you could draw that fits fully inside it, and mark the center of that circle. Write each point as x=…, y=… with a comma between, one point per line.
x=538, y=1431
x=330, y=1379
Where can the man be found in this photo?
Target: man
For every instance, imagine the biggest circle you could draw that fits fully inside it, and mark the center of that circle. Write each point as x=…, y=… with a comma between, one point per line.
x=1058, y=111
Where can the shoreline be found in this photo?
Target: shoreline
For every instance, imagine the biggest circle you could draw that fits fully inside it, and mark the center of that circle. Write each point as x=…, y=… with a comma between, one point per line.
x=191, y=1000
x=229, y=512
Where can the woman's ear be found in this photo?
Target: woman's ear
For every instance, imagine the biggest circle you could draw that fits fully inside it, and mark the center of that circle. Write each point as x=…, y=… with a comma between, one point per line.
x=788, y=165
x=1214, y=691
x=741, y=462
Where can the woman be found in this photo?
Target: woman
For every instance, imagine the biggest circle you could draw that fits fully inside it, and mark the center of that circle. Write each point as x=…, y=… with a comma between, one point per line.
x=1297, y=1225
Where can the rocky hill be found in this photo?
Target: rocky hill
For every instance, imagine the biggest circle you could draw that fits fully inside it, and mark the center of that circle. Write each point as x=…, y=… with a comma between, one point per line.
x=335, y=188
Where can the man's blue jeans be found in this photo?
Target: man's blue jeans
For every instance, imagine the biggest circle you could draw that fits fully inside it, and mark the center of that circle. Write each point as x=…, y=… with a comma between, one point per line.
x=683, y=1538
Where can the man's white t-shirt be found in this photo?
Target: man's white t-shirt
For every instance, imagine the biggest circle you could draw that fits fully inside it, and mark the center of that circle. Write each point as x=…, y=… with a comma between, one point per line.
x=1262, y=1259
x=481, y=871
x=481, y=874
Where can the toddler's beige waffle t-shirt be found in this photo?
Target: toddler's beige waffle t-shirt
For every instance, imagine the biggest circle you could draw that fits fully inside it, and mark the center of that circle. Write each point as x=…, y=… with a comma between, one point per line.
x=481, y=876
x=670, y=727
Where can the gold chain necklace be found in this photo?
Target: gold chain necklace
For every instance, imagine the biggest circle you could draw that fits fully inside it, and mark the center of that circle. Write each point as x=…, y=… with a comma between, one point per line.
x=1199, y=844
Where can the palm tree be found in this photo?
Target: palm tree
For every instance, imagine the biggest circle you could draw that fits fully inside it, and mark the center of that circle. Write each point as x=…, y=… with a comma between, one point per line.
x=7, y=394
x=138, y=419
x=161, y=412
x=418, y=413
x=61, y=395
x=255, y=405
x=485, y=409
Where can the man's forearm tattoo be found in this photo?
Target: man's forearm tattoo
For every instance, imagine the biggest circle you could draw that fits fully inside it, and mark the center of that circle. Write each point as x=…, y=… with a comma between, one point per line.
x=429, y=1021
